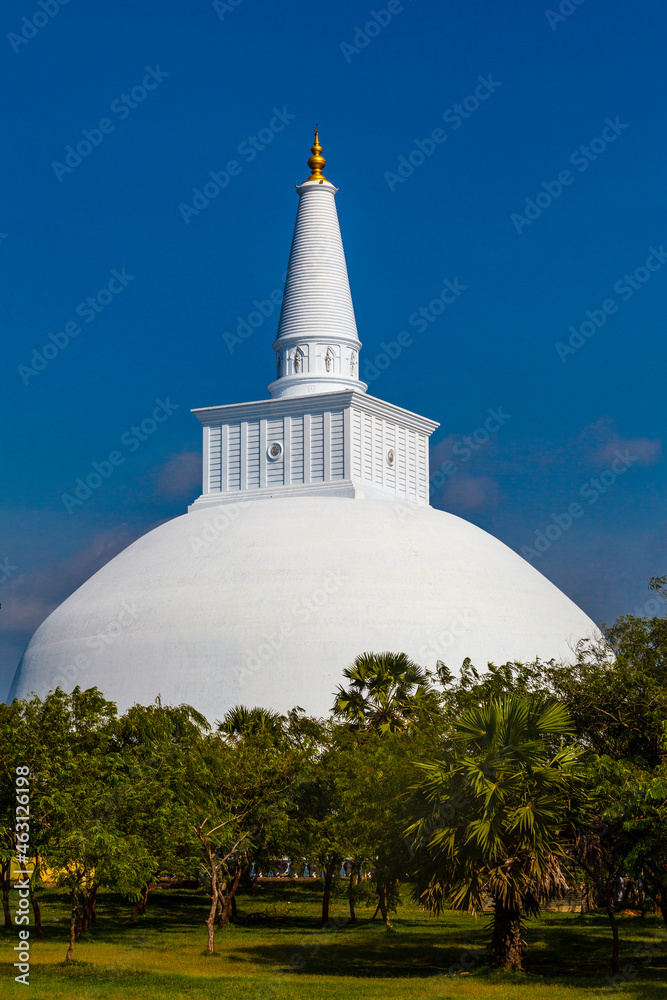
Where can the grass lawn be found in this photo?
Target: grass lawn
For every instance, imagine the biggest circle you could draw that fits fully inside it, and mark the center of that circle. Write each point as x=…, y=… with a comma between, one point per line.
x=281, y=953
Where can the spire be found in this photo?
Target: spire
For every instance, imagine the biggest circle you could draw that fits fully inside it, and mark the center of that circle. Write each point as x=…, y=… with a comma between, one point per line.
x=317, y=163
x=317, y=345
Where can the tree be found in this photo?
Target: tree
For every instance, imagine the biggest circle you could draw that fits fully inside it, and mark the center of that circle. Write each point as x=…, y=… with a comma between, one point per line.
x=616, y=692
x=242, y=785
x=39, y=736
x=472, y=688
x=240, y=722
x=391, y=709
x=81, y=783
x=13, y=754
x=315, y=829
x=27, y=739
x=158, y=739
x=494, y=817
x=646, y=821
x=277, y=829
x=387, y=691
x=376, y=775
x=219, y=854
x=605, y=838
x=375, y=771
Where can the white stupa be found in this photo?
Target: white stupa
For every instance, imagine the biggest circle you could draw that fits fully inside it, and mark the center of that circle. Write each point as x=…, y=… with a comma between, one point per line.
x=313, y=540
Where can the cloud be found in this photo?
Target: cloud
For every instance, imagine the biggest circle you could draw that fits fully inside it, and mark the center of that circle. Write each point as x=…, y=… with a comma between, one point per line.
x=600, y=441
x=30, y=597
x=180, y=475
x=443, y=451
x=464, y=493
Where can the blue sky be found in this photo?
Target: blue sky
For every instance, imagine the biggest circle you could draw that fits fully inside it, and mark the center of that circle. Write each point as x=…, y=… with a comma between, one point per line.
x=540, y=198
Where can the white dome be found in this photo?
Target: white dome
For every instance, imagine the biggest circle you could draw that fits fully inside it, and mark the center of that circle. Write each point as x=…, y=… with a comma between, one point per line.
x=266, y=602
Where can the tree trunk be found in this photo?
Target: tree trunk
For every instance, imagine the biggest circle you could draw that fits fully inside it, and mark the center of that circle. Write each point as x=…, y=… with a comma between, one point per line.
x=233, y=917
x=354, y=879
x=88, y=915
x=72, y=925
x=229, y=898
x=218, y=905
x=214, y=868
x=140, y=906
x=210, y=923
x=6, y=885
x=215, y=899
x=506, y=943
x=609, y=905
x=382, y=905
x=37, y=914
x=659, y=893
x=328, y=879
x=33, y=900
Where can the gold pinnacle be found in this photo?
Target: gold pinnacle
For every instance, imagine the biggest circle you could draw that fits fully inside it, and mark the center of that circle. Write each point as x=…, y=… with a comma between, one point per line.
x=316, y=161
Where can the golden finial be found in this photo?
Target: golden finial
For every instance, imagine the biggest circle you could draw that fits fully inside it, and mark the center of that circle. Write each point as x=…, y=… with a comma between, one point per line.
x=316, y=161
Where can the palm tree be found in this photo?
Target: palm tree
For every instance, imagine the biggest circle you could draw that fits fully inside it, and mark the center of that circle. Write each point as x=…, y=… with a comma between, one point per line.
x=495, y=816
x=240, y=722
x=388, y=692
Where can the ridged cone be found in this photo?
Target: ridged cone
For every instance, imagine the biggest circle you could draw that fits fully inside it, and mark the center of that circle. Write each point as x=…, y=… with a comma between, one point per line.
x=317, y=302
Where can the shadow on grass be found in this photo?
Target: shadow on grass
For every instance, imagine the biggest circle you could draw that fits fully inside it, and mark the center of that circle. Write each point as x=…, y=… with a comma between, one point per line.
x=568, y=950
x=564, y=948
x=570, y=944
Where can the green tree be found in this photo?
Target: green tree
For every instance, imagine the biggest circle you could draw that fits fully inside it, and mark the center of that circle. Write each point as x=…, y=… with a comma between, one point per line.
x=317, y=830
x=387, y=691
x=240, y=722
x=391, y=712
x=616, y=692
x=605, y=836
x=494, y=817
x=81, y=781
x=646, y=821
x=373, y=794
x=159, y=740
x=472, y=688
x=13, y=754
x=244, y=782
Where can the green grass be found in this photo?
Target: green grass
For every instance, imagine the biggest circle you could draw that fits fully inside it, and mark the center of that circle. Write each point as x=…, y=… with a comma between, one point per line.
x=281, y=953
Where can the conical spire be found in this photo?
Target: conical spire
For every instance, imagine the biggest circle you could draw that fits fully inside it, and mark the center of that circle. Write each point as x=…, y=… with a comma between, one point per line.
x=317, y=345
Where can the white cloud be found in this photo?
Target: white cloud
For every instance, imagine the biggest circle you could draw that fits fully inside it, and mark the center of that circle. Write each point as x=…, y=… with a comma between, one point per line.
x=180, y=475
x=600, y=441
